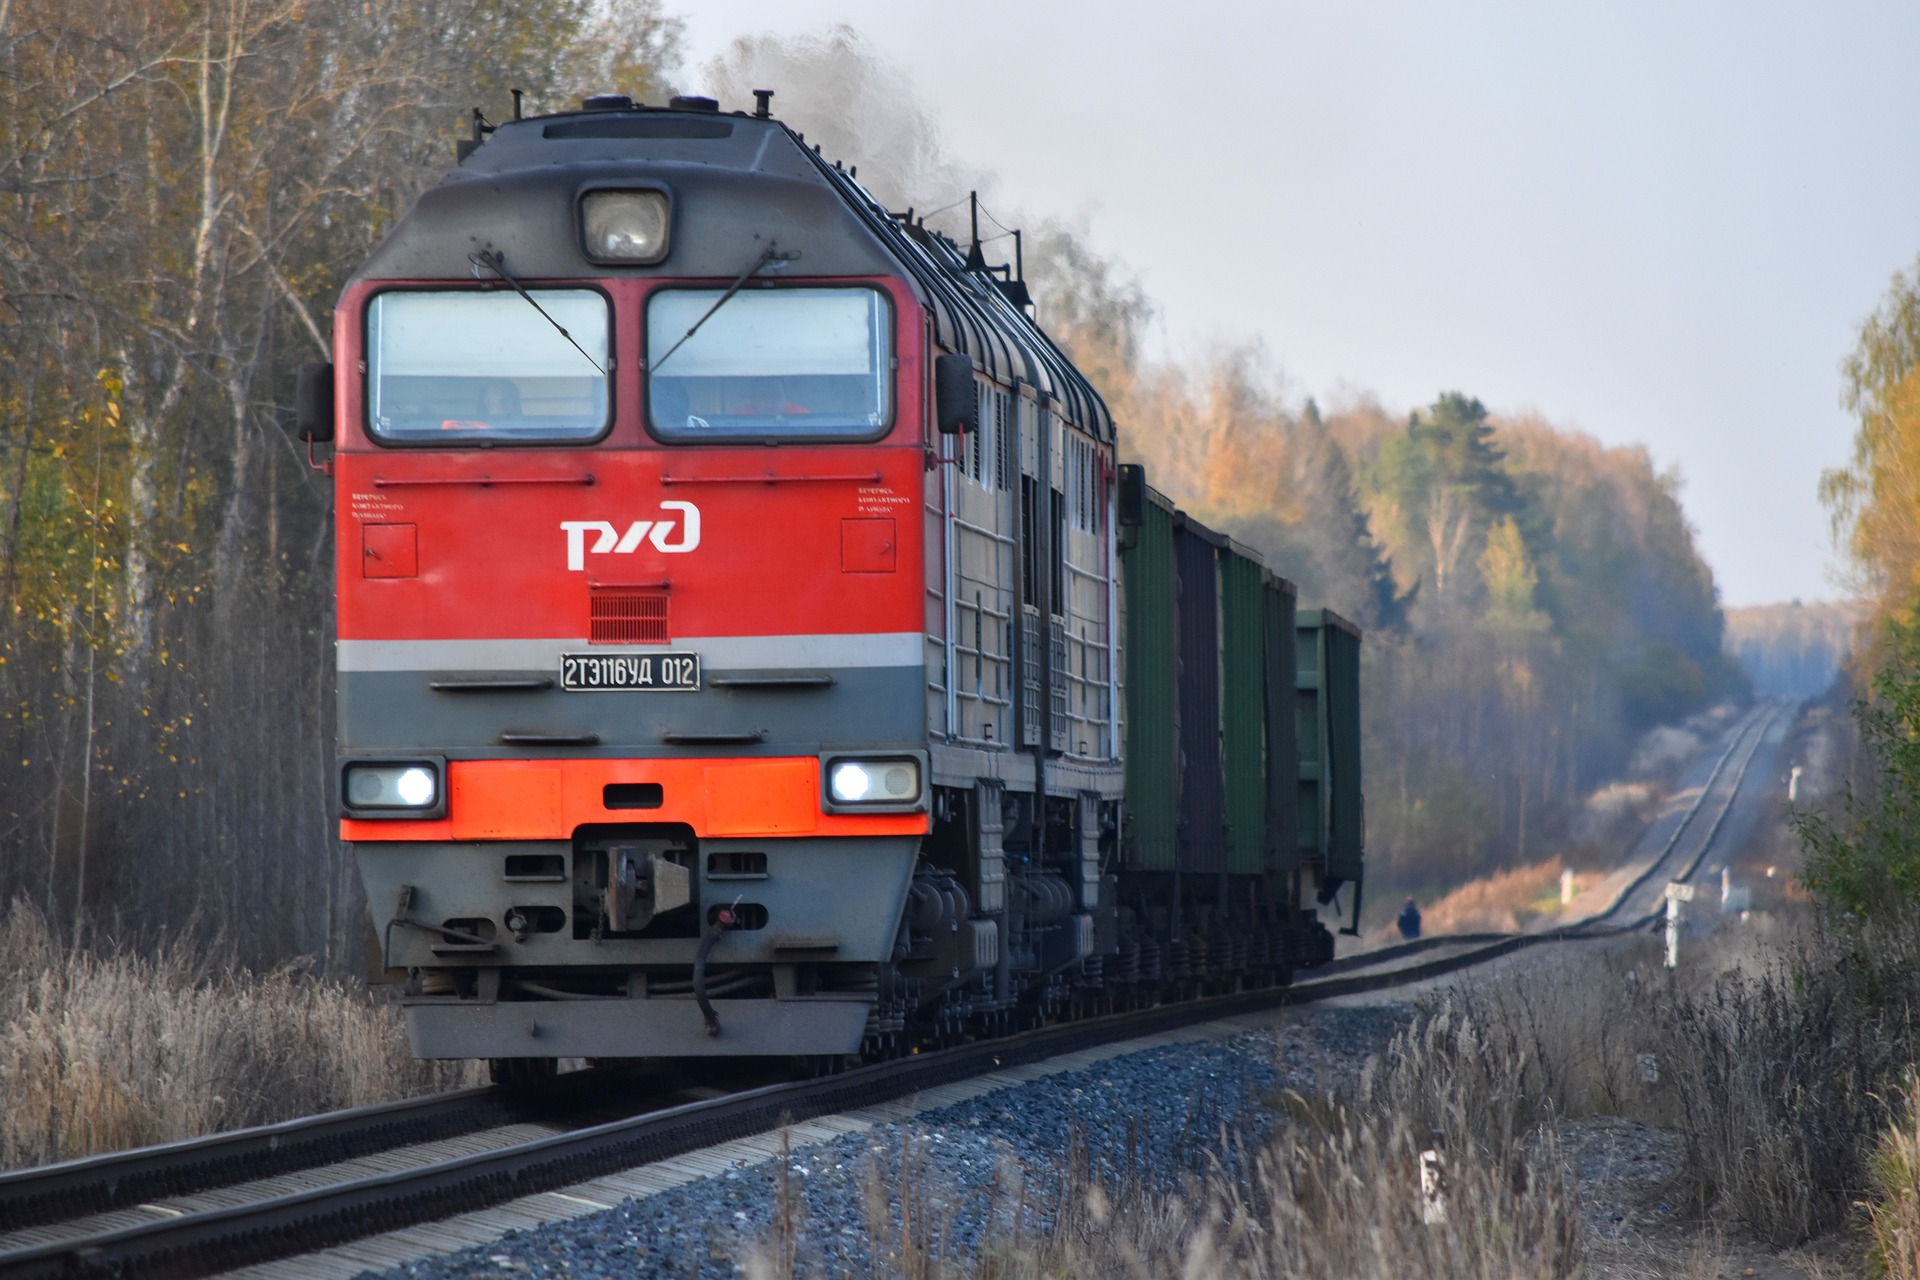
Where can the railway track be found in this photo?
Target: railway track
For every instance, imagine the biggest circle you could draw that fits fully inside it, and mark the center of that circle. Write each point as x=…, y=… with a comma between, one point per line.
x=1693, y=837
x=229, y=1200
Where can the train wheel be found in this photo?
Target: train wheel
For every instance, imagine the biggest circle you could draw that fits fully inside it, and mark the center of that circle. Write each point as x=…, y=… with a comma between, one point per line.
x=884, y=1047
x=522, y=1075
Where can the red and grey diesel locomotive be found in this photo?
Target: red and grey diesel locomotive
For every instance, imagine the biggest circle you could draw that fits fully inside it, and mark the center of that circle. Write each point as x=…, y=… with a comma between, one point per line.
x=749, y=645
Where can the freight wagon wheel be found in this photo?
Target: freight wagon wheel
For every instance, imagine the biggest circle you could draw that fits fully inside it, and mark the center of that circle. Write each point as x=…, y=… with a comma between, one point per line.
x=522, y=1075
x=883, y=1047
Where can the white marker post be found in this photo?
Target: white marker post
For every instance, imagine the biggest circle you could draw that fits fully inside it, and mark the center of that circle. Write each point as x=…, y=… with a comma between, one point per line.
x=1433, y=1188
x=1677, y=893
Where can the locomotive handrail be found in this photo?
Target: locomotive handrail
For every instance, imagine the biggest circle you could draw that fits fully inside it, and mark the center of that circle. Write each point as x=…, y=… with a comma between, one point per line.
x=774, y=680
x=713, y=738
x=971, y=527
x=482, y=482
x=530, y=684
x=870, y=477
x=999, y=615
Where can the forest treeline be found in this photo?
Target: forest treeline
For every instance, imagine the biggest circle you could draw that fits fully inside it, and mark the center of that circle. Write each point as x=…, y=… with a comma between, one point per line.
x=1794, y=649
x=1533, y=599
x=183, y=188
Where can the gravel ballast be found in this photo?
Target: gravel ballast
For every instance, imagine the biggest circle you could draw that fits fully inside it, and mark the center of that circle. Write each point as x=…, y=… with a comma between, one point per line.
x=1149, y=1116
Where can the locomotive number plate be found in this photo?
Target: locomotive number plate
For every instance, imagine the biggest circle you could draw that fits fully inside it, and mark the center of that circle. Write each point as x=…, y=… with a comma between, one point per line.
x=620, y=672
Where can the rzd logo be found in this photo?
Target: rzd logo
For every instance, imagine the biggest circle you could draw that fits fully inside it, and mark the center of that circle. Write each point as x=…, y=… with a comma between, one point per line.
x=611, y=541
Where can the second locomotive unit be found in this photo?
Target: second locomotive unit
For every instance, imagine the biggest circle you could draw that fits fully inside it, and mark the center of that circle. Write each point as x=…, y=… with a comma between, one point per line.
x=749, y=644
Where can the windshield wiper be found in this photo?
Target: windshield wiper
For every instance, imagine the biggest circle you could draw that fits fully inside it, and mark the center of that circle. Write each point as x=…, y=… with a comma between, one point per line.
x=770, y=254
x=497, y=264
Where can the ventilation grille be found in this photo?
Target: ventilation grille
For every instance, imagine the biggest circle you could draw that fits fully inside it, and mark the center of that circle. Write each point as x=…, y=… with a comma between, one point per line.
x=622, y=615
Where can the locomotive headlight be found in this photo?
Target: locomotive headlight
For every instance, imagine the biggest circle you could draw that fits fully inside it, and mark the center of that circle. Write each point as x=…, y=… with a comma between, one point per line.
x=390, y=789
x=851, y=781
x=624, y=226
x=889, y=781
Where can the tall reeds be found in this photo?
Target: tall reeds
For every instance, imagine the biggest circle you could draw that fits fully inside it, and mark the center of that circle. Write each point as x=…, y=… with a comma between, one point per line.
x=105, y=1048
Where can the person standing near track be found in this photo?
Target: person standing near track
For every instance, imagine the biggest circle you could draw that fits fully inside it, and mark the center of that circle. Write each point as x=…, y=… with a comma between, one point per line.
x=1409, y=920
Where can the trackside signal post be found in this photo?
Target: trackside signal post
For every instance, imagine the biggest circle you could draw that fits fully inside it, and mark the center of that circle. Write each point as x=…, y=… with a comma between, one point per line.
x=1677, y=893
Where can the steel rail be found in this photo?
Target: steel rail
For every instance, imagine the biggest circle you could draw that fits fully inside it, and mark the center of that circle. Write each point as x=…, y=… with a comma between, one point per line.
x=1739, y=779
x=122, y=1179
x=1371, y=959
x=1756, y=727
x=222, y=1238
x=118, y=1180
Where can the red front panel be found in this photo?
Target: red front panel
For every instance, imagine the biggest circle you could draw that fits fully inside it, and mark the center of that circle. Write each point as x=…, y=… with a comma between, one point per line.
x=492, y=557
x=739, y=539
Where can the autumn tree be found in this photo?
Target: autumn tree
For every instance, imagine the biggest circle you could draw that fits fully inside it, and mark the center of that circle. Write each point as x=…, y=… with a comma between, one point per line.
x=1864, y=860
x=1875, y=499
x=184, y=185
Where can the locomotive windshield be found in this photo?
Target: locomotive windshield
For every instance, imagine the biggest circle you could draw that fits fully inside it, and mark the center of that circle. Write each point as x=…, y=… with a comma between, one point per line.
x=801, y=363
x=452, y=366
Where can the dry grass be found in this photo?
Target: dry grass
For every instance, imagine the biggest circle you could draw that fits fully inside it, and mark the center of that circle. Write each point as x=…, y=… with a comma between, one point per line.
x=1893, y=1216
x=1773, y=1053
x=1504, y=902
x=1578, y=1027
x=104, y=1049
x=1334, y=1193
x=1781, y=1078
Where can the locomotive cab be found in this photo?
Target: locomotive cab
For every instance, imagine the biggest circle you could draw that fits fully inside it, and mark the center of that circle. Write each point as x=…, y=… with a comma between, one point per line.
x=630, y=448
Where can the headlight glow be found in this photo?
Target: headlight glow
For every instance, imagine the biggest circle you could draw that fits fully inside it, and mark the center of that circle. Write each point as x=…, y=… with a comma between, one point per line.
x=851, y=782
x=415, y=786
x=392, y=786
x=886, y=781
x=624, y=226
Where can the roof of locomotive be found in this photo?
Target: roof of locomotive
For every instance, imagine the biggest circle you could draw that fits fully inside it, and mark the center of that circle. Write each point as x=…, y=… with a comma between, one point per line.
x=738, y=184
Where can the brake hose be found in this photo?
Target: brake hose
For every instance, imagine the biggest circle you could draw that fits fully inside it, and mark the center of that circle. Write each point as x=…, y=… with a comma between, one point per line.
x=722, y=921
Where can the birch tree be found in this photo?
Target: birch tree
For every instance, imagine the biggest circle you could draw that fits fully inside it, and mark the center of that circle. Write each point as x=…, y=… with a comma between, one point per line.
x=184, y=185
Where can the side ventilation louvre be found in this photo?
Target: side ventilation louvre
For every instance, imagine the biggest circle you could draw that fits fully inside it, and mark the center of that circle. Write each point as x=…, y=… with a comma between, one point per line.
x=626, y=615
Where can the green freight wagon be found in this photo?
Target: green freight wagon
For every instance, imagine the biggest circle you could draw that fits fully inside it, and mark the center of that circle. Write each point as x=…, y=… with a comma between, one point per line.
x=1199, y=688
x=1279, y=673
x=1148, y=586
x=1243, y=709
x=1242, y=757
x=1331, y=810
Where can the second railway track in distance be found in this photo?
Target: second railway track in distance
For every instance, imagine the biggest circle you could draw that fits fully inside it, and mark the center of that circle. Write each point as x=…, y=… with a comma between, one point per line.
x=229, y=1200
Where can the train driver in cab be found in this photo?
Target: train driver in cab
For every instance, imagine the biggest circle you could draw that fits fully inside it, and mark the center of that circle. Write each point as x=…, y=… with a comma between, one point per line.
x=499, y=406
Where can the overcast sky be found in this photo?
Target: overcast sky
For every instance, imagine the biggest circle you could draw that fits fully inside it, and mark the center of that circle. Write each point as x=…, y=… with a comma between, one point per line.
x=1660, y=223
